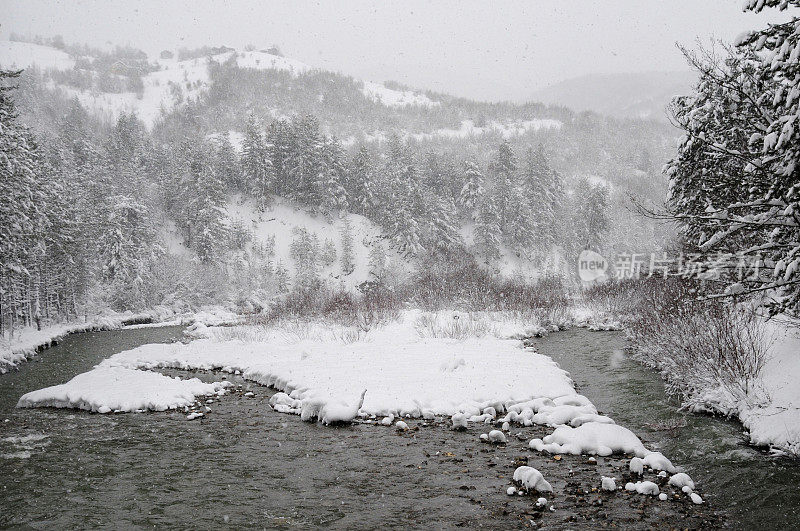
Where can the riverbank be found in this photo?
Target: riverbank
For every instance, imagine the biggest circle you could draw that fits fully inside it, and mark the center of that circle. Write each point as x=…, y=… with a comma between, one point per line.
x=26, y=342
x=716, y=357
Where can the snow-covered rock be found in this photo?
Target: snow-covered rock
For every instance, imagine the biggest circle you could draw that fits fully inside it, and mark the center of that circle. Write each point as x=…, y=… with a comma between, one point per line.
x=647, y=487
x=696, y=499
x=662, y=497
x=401, y=425
x=608, y=483
x=331, y=411
x=591, y=438
x=532, y=479
x=681, y=480
x=497, y=436
x=657, y=461
x=459, y=421
x=636, y=466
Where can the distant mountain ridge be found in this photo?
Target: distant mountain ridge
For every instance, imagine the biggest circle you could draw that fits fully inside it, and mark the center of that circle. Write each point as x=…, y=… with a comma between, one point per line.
x=632, y=95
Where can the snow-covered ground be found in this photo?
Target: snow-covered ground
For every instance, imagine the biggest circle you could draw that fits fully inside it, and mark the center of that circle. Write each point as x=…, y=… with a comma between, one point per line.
x=395, y=98
x=777, y=424
x=402, y=372
x=24, y=54
x=468, y=129
x=277, y=225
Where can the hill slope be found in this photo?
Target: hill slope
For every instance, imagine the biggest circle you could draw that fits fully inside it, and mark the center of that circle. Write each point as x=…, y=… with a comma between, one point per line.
x=635, y=95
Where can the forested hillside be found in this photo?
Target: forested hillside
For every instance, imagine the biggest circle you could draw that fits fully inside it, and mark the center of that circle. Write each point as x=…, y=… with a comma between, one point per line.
x=124, y=213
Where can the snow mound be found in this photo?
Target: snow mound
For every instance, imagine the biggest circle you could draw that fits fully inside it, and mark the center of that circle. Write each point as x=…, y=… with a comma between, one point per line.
x=591, y=438
x=607, y=483
x=647, y=487
x=106, y=389
x=681, y=480
x=532, y=479
x=331, y=411
x=657, y=461
x=459, y=421
x=497, y=436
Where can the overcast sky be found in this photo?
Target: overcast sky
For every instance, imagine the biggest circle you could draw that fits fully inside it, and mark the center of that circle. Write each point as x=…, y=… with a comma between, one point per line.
x=487, y=50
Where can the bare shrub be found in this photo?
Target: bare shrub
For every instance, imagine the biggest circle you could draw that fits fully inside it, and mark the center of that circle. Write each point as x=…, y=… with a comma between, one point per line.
x=701, y=347
x=454, y=326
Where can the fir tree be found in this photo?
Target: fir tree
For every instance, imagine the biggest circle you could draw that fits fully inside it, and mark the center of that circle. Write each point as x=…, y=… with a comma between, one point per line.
x=347, y=257
x=257, y=168
x=361, y=183
x=503, y=168
x=334, y=196
x=472, y=191
x=487, y=232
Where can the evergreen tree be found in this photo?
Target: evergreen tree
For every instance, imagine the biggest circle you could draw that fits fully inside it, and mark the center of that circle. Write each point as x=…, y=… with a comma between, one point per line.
x=203, y=194
x=361, y=184
x=347, y=257
x=590, y=215
x=23, y=208
x=472, y=191
x=542, y=192
x=334, y=196
x=257, y=167
x=280, y=140
x=305, y=163
x=734, y=183
x=503, y=168
x=487, y=231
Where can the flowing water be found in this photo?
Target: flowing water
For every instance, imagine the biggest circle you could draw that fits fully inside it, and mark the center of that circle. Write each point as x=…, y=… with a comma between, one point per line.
x=755, y=490
x=246, y=466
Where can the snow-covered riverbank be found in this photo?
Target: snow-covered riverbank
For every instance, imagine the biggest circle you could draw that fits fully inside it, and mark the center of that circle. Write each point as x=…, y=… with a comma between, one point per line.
x=776, y=422
x=26, y=342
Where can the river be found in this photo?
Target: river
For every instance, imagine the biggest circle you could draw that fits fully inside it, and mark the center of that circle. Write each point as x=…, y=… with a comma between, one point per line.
x=245, y=465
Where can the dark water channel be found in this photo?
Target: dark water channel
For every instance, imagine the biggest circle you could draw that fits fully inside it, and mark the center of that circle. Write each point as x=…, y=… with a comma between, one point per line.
x=755, y=491
x=246, y=466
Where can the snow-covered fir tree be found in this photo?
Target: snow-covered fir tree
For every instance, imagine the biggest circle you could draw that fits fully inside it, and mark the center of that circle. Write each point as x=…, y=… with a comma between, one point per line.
x=472, y=191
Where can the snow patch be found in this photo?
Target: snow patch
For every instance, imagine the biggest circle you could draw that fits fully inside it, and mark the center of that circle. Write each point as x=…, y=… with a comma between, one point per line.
x=106, y=389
